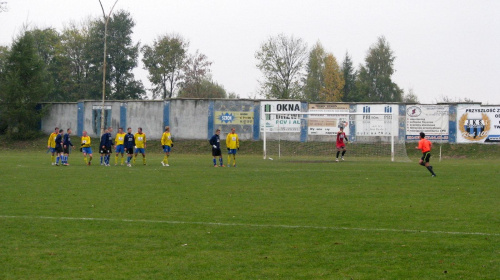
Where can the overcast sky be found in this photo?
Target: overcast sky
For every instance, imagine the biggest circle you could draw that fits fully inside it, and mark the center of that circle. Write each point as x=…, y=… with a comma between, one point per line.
x=442, y=48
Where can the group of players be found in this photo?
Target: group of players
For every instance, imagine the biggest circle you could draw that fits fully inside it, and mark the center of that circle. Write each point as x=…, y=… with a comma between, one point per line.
x=125, y=143
x=131, y=145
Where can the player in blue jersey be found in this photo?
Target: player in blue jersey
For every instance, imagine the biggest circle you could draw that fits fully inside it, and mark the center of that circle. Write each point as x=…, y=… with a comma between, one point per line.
x=216, y=151
x=59, y=147
x=66, y=144
x=129, y=144
x=106, y=146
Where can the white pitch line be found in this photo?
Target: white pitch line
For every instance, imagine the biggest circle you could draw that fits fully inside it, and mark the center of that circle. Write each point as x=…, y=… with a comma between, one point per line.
x=248, y=225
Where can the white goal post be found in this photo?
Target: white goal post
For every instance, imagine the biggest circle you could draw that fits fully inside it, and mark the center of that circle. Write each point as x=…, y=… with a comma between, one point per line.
x=317, y=133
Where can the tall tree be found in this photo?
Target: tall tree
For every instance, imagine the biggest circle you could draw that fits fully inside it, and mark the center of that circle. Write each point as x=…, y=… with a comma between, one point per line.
x=196, y=70
x=46, y=42
x=350, y=76
x=281, y=60
x=374, y=80
x=73, y=71
x=164, y=61
x=122, y=58
x=333, y=84
x=24, y=85
x=315, y=68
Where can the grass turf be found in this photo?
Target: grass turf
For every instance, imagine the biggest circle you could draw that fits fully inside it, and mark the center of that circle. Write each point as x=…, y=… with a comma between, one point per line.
x=262, y=220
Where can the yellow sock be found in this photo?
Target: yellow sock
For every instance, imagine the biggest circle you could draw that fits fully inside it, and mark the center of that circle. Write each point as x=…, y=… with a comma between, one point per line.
x=165, y=159
x=53, y=158
x=234, y=160
x=116, y=159
x=144, y=160
x=134, y=159
x=229, y=160
x=85, y=159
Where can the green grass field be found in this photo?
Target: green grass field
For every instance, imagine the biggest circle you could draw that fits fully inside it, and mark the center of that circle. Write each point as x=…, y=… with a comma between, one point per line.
x=262, y=220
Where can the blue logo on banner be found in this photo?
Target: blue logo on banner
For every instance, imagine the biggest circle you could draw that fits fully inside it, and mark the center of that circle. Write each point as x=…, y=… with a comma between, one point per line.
x=226, y=118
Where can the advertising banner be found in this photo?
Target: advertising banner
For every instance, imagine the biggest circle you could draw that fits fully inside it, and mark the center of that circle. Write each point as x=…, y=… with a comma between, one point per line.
x=376, y=125
x=327, y=125
x=233, y=117
x=433, y=120
x=287, y=122
x=478, y=124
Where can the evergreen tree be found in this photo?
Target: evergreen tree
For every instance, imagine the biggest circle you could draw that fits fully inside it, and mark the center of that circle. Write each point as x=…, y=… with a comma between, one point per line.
x=350, y=75
x=24, y=85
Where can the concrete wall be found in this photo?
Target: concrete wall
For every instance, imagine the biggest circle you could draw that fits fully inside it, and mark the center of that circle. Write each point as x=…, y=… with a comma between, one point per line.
x=62, y=115
x=189, y=118
x=148, y=115
x=199, y=118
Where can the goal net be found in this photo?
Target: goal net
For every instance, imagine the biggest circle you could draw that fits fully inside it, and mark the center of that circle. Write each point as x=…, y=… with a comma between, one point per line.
x=313, y=136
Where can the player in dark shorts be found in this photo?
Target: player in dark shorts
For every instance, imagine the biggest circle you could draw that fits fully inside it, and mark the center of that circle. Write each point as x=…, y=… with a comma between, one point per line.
x=66, y=144
x=59, y=147
x=129, y=144
x=216, y=151
x=425, y=146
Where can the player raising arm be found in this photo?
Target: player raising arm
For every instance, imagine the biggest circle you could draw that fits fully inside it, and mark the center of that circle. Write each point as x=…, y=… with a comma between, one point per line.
x=341, y=137
x=425, y=146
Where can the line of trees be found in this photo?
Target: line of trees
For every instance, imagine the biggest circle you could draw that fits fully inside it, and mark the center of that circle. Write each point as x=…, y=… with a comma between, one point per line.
x=290, y=71
x=45, y=65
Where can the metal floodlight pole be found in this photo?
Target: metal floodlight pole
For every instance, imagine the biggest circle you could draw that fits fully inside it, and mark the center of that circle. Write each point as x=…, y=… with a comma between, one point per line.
x=106, y=20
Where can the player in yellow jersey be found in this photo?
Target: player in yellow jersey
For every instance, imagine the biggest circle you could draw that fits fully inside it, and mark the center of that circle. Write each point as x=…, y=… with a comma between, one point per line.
x=232, y=144
x=140, y=144
x=119, y=148
x=167, y=144
x=86, y=149
x=51, y=145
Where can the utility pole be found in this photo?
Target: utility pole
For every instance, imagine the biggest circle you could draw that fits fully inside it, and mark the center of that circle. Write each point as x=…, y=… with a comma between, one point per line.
x=106, y=20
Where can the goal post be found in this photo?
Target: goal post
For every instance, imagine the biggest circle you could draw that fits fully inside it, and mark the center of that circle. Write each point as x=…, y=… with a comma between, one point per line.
x=305, y=135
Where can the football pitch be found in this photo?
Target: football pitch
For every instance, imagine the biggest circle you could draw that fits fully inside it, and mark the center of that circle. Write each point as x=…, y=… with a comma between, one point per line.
x=261, y=220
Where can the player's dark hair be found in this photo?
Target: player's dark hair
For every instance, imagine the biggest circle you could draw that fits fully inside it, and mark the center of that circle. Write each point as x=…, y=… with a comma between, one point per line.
x=422, y=135
x=140, y=128
x=129, y=128
x=57, y=128
x=67, y=130
x=121, y=128
x=61, y=130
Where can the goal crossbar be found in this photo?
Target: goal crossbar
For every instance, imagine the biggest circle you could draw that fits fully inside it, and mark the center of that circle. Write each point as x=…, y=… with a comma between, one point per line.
x=304, y=115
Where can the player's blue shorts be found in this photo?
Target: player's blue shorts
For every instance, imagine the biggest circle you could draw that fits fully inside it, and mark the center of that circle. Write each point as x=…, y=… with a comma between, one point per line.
x=232, y=151
x=120, y=149
x=87, y=150
x=140, y=151
x=52, y=150
x=166, y=149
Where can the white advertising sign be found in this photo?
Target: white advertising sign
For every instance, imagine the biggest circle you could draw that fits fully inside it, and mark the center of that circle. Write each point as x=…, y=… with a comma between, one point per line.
x=376, y=125
x=433, y=120
x=286, y=122
x=478, y=124
x=328, y=124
